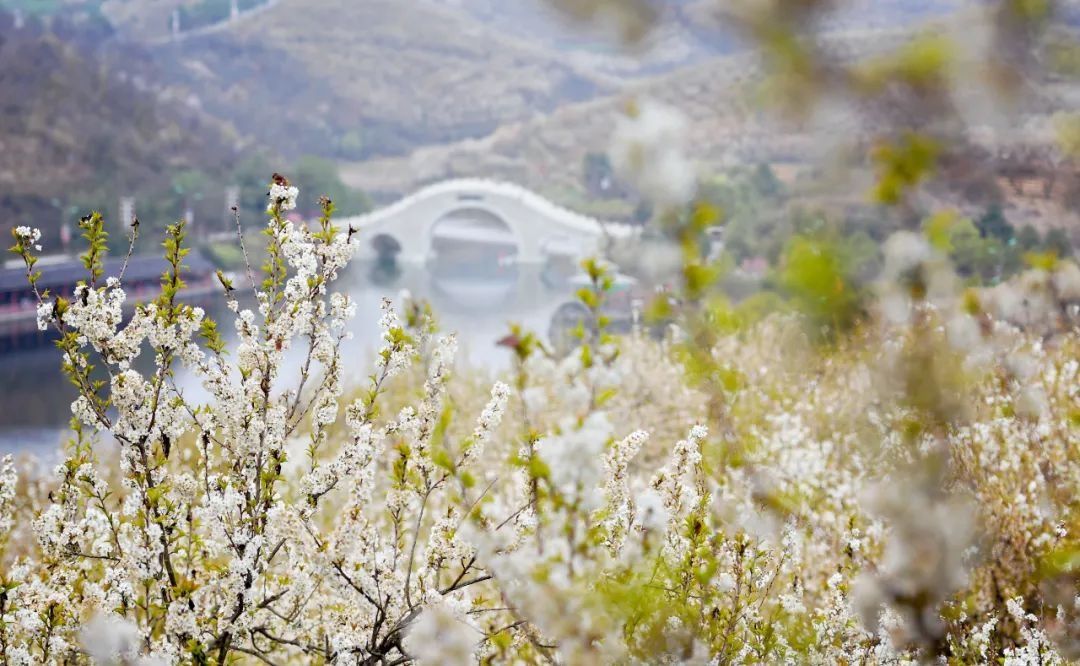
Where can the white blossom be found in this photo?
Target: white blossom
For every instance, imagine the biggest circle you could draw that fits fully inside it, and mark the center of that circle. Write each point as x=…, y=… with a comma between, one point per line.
x=283, y=197
x=647, y=149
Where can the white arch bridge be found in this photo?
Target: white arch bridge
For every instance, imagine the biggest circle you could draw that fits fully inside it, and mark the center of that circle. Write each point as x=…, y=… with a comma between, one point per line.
x=532, y=228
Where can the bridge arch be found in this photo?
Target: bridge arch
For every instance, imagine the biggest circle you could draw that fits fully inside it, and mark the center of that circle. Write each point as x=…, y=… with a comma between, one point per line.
x=477, y=227
x=536, y=224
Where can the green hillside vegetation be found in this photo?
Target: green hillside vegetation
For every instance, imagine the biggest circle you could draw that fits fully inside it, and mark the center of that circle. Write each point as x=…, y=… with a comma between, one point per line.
x=80, y=128
x=76, y=134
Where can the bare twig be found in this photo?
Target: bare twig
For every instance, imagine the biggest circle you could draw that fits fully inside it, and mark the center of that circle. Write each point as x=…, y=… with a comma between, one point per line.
x=131, y=246
x=243, y=248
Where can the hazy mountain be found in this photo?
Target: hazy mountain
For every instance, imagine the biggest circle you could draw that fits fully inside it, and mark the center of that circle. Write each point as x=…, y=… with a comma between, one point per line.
x=75, y=130
x=350, y=79
x=354, y=79
x=367, y=78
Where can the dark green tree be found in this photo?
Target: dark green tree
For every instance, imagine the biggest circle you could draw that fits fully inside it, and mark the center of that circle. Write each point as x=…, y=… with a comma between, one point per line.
x=1028, y=238
x=765, y=182
x=993, y=224
x=599, y=176
x=315, y=177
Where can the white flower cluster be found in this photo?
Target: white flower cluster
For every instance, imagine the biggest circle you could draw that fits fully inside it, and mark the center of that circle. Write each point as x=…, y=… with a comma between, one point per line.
x=9, y=479
x=282, y=197
x=822, y=510
x=29, y=235
x=575, y=460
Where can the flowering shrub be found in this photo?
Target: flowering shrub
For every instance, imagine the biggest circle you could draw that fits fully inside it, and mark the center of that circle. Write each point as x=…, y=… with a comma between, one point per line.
x=745, y=497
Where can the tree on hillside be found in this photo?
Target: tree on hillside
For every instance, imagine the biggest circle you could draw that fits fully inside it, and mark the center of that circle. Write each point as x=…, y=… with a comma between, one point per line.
x=994, y=224
x=599, y=176
x=764, y=180
x=1057, y=240
x=316, y=174
x=1028, y=238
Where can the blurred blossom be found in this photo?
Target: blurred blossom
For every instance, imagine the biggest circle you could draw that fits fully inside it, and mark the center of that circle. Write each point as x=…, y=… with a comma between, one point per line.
x=1031, y=403
x=924, y=560
x=895, y=304
x=963, y=332
x=1037, y=299
x=904, y=252
x=1066, y=281
x=1004, y=301
x=438, y=636
x=1021, y=366
x=647, y=150
x=651, y=512
x=659, y=259
x=574, y=459
x=111, y=640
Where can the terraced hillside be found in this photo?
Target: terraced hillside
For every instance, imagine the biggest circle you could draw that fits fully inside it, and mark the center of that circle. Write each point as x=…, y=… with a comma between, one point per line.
x=373, y=77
